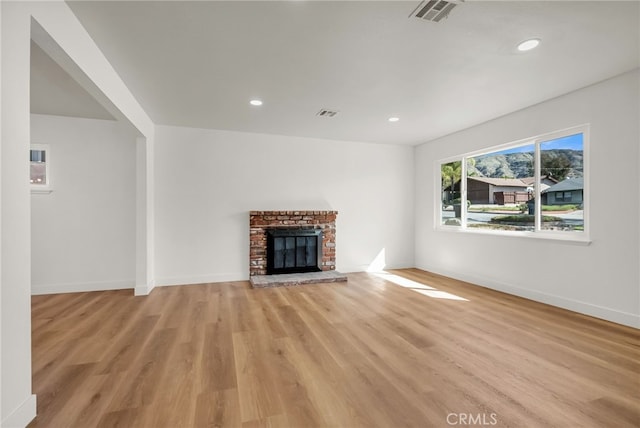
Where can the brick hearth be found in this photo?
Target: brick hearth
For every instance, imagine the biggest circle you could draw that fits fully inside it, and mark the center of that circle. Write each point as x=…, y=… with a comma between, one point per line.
x=260, y=221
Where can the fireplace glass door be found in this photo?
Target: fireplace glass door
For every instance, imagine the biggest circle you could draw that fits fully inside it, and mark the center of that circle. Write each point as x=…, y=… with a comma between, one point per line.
x=294, y=250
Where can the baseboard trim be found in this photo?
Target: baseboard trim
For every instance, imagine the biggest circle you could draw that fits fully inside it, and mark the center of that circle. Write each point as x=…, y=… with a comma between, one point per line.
x=201, y=279
x=367, y=267
x=608, y=314
x=144, y=290
x=23, y=415
x=76, y=287
x=231, y=277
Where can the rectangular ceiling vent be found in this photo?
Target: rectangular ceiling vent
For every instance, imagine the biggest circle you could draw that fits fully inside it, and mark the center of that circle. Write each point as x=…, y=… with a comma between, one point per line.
x=326, y=113
x=434, y=10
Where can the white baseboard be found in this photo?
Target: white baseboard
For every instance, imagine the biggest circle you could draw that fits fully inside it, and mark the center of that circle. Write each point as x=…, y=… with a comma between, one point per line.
x=21, y=416
x=365, y=268
x=608, y=314
x=81, y=286
x=201, y=279
x=244, y=276
x=144, y=290
x=351, y=268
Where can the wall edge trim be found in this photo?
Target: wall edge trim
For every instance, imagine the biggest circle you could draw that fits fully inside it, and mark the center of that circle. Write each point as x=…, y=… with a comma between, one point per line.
x=23, y=415
x=77, y=287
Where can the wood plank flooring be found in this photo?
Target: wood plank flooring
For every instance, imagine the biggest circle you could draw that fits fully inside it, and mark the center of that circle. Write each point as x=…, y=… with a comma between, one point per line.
x=366, y=353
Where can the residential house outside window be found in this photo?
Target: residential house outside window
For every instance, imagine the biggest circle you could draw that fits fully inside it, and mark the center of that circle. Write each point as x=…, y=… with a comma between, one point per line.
x=40, y=168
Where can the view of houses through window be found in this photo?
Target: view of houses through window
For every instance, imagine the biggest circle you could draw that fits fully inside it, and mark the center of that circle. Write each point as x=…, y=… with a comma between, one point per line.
x=39, y=158
x=533, y=186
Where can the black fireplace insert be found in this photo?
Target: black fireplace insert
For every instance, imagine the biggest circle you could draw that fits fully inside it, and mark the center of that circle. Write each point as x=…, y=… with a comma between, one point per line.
x=294, y=250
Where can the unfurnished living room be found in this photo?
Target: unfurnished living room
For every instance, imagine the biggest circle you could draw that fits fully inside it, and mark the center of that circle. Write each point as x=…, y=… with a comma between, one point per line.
x=319, y=213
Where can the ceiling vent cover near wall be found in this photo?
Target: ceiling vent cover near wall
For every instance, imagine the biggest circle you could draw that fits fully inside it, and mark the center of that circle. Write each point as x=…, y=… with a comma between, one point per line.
x=327, y=113
x=434, y=10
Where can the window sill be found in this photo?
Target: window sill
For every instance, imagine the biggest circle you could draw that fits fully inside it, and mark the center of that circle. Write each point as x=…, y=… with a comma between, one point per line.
x=568, y=238
x=41, y=191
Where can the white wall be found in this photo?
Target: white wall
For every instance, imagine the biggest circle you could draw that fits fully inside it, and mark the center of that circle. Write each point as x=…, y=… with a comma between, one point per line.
x=18, y=404
x=600, y=279
x=1, y=134
x=59, y=33
x=83, y=233
x=208, y=181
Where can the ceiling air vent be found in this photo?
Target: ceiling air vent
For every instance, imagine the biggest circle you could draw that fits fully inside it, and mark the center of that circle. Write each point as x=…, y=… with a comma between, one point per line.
x=434, y=10
x=326, y=113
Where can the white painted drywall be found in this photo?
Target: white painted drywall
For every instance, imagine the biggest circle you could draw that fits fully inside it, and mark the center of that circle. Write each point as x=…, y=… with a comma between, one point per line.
x=18, y=404
x=145, y=223
x=1, y=134
x=83, y=233
x=208, y=181
x=600, y=279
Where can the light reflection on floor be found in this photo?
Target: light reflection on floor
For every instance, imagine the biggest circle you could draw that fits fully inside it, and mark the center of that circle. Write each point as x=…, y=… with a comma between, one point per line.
x=418, y=287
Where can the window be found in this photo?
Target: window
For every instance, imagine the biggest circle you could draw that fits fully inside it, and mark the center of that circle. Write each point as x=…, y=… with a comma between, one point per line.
x=563, y=196
x=531, y=186
x=40, y=168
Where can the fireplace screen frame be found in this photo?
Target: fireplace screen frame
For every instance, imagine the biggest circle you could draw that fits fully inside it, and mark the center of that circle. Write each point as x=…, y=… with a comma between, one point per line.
x=274, y=263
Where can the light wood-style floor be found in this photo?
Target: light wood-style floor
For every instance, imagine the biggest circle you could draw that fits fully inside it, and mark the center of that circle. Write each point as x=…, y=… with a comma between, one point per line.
x=367, y=353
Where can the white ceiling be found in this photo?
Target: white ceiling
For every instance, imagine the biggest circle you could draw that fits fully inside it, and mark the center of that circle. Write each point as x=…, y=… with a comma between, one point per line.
x=199, y=63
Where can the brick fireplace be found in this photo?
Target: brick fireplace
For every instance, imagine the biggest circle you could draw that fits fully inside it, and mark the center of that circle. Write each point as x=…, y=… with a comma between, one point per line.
x=261, y=221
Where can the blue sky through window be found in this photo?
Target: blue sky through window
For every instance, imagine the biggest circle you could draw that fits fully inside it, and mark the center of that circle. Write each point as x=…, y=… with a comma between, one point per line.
x=570, y=142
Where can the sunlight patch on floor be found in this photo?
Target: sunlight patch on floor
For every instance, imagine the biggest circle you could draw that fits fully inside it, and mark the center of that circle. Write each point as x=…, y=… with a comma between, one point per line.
x=402, y=282
x=418, y=287
x=437, y=294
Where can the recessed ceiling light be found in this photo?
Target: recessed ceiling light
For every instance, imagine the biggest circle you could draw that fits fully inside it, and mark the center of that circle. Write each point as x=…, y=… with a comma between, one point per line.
x=527, y=45
x=394, y=119
x=255, y=102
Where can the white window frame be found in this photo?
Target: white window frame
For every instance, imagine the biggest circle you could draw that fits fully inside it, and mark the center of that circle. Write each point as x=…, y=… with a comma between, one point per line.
x=47, y=187
x=582, y=238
